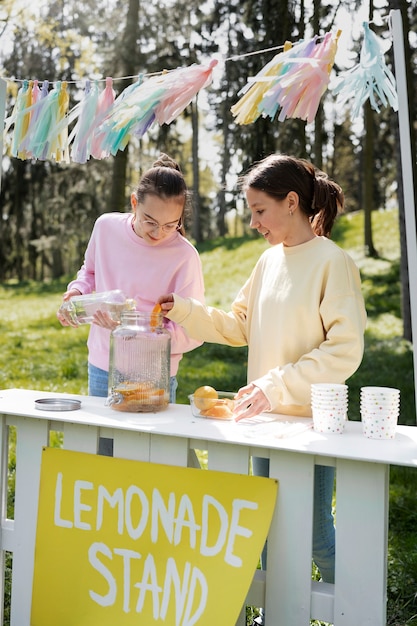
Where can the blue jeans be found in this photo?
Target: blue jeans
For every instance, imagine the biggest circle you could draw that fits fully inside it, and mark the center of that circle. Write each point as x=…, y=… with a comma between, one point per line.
x=98, y=385
x=98, y=381
x=323, y=522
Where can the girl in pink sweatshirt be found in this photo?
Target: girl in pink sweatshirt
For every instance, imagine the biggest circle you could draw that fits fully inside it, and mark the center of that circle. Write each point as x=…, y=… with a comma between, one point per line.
x=143, y=253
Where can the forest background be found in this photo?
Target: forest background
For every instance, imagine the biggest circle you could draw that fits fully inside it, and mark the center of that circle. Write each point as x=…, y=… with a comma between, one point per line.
x=48, y=208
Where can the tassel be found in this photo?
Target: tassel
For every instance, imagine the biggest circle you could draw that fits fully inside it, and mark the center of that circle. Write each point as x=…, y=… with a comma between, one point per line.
x=160, y=98
x=284, y=90
x=39, y=98
x=18, y=118
x=110, y=134
x=181, y=86
x=43, y=133
x=104, y=105
x=81, y=135
x=25, y=120
x=294, y=81
x=307, y=81
x=60, y=139
x=134, y=106
x=47, y=136
x=247, y=109
x=35, y=96
x=370, y=80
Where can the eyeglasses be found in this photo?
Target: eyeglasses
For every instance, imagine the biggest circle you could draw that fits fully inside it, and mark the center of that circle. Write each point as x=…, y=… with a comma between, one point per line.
x=166, y=228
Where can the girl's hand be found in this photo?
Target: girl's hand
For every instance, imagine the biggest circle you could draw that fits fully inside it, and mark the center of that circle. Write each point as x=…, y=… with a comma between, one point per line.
x=250, y=401
x=103, y=319
x=166, y=302
x=63, y=314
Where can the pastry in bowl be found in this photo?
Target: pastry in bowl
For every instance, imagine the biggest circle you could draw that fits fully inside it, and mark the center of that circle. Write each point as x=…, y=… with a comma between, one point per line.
x=207, y=402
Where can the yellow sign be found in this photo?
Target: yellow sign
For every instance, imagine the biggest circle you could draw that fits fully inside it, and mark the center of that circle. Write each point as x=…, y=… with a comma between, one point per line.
x=127, y=543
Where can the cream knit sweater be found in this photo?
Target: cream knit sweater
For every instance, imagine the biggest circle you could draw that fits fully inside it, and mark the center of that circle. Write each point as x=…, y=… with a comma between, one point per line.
x=302, y=314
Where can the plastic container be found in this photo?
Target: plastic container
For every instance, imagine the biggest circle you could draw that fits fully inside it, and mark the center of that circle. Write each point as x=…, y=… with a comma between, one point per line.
x=220, y=408
x=81, y=309
x=139, y=372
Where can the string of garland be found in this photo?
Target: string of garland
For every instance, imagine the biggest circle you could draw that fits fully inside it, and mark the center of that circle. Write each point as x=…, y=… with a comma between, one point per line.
x=291, y=85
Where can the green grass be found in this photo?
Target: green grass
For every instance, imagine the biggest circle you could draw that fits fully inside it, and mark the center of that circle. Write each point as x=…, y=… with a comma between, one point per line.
x=37, y=353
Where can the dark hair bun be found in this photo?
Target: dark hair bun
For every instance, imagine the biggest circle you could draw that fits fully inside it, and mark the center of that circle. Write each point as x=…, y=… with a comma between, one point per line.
x=165, y=161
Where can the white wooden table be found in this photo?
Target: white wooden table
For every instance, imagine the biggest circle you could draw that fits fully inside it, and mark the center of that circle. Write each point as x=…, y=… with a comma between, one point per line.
x=286, y=589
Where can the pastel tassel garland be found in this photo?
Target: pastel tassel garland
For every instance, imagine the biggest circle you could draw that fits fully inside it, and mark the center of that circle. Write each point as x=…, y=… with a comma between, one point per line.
x=88, y=113
x=370, y=80
x=285, y=91
x=294, y=81
x=158, y=99
x=130, y=109
x=291, y=85
x=102, y=124
x=247, y=109
x=41, y=139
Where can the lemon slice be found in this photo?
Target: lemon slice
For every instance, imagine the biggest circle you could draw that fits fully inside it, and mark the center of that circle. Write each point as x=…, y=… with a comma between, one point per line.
x=154, y=322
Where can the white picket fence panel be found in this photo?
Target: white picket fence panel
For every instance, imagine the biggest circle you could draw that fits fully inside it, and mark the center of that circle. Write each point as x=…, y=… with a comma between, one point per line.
x=286, y=589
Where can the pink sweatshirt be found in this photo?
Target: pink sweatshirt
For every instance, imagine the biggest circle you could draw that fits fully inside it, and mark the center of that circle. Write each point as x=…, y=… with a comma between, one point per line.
x=116, y=258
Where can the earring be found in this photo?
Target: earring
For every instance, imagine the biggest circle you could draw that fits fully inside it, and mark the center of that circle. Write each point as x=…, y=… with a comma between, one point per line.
x=291, y=212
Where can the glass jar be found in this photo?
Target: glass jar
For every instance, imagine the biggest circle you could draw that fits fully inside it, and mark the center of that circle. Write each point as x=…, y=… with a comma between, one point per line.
x=139, y=373
x=81, y=309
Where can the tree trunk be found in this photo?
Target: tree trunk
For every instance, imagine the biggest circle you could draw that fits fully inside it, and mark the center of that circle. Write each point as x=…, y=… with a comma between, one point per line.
x=224, y=116
x=318, y=120
x=196, y=228
x=118, y=188
x=368, y=168
x=129, y=60
x=368, y=180
x=221, y=196
x=18, y=210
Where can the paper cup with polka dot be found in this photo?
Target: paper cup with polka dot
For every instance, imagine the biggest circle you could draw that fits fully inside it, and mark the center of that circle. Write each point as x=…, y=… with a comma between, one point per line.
x=380, y=409
x=329, y=421
x=379, y=426
x=329, y=405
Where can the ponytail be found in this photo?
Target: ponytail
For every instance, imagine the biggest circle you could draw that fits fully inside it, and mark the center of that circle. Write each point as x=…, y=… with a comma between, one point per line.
x=328, y=202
